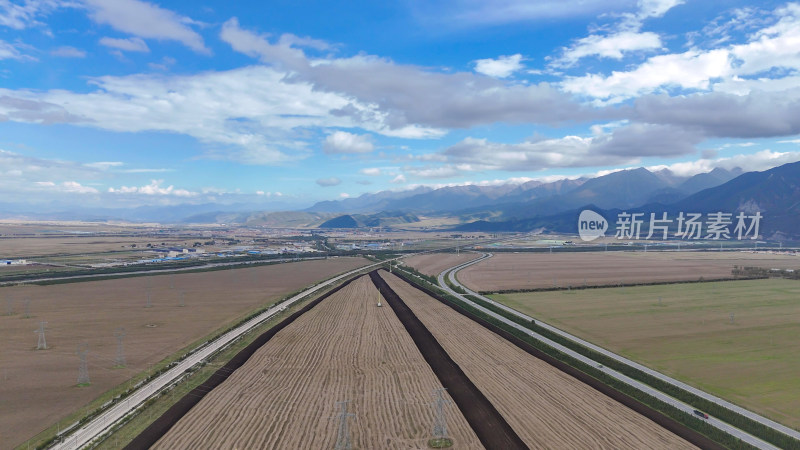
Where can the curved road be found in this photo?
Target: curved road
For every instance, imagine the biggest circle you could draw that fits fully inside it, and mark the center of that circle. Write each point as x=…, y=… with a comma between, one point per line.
x=100, y=424
x=744, y=436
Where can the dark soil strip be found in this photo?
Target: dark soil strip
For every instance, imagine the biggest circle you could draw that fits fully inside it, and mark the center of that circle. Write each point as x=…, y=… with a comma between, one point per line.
x=666, y=422
x=162, y=425
x=490, y=427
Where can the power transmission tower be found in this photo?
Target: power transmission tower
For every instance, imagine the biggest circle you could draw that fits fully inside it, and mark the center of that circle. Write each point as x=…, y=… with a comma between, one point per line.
x=732, y=319
x=120, y=335
x=343, y=432
x=27, y=313
x=83, y=369
x=149, y=300
x=183, y=299
x=439, y=423
x=42, y=344
x=9, y=307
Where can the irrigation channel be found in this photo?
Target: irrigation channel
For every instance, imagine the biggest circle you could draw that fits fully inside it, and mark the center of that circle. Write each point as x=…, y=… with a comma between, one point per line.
x=721, y=425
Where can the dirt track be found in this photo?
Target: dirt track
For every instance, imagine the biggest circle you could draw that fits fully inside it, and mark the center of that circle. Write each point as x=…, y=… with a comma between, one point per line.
x=546, y=407
x=545, y=270
x=39, y=387
x=345, y=348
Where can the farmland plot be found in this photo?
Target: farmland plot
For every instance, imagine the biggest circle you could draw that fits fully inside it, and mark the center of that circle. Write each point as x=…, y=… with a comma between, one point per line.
x=546, y=270
x=39, y=387
x=344, y=349
x=547, y=408
x=433, y=263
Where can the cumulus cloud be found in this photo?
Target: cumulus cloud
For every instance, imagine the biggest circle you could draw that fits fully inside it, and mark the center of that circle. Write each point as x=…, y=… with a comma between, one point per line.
x=146, y=20
x=133, y=44
x=502, y=67
x=692, y=69
x=154, y=189
x=328, y=182
x=68, y=52
x=344, y=142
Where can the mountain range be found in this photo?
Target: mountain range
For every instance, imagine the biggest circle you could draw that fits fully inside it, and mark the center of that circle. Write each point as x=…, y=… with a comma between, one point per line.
x=527, y=206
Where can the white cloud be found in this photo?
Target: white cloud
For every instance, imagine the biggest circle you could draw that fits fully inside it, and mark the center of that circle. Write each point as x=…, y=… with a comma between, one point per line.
x=10, y=51
x=69, y=187
x=371, y=171
x=502, y=67
x=328, y=182
x=790, y=141
x=399, y=179
x=725, y=69
x=655, y=8
x=759, y=161
x=344, y=195
x=344, y=142
x=622, y=145
x=22, y=15
x=407, y=100
x=689, y=70
x=104, y=165
x=247, y=115
x=68, y=52
x=614, y=46
x=153, y=189
x=146, y=20
x=133, y=44
x=468, y=13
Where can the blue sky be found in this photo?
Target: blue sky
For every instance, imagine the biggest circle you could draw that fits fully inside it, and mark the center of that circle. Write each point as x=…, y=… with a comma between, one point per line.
x=124, y=103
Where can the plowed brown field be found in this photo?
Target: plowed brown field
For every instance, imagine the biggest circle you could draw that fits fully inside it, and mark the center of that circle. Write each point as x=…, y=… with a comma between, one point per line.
x=38, y=388
x=433, y=263
x=546, y=270
x=285, y=396
x=547, y=408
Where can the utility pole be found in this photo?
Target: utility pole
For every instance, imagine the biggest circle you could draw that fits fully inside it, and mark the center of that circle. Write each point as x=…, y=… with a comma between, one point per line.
x=343, y=432
x=42, y=344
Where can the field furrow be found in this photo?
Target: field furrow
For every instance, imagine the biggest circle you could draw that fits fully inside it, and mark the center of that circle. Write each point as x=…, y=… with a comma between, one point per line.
x=547, y=408
x=344, y=349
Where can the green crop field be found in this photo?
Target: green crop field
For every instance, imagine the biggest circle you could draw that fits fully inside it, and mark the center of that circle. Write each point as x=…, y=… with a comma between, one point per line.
x=751, y=358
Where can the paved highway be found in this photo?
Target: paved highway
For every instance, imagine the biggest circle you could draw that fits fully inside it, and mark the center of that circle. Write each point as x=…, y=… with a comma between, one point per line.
x=97, y=426
x=450, y=273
